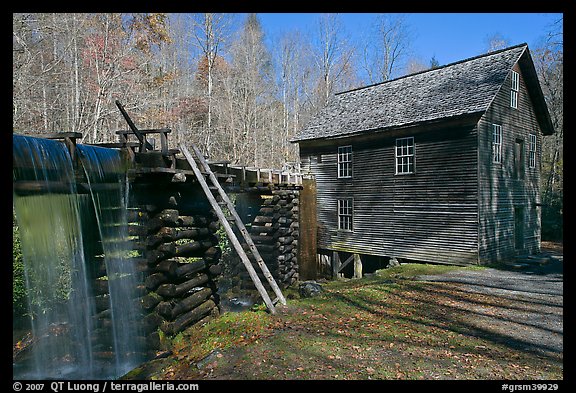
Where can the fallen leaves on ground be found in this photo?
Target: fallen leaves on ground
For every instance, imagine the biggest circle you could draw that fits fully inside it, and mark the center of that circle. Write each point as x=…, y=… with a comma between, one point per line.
x=417, y=330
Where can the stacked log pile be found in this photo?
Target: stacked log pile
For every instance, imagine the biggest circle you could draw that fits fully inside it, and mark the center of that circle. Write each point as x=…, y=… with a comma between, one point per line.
x=182, y=256
x=180, y=259
x=275, y=233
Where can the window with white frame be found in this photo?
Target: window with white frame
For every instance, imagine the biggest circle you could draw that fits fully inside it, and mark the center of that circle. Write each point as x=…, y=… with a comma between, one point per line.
x=496, y=143
x=345, y=214
x=532, y=151
x=344, y=162
x=514, y=90
x=405, y=155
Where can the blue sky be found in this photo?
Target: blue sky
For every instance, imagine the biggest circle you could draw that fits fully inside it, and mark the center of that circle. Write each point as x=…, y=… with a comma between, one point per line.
x=449, y=37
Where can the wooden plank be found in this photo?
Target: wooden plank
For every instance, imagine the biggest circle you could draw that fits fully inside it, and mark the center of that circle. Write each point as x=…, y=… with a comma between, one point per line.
x=24, y=187
x=229, y=231
x=241, y=228
x=146, y=170
x=62, y=135
x=115, y=144
x=146, y=131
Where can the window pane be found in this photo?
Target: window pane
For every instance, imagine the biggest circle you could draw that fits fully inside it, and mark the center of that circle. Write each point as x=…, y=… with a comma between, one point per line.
x=345, y=214
x=515, y=81
x=532, y=151
x=497, y=143
x=405, y=155
x=345, y=161
x=514, y=90
x=514, y=99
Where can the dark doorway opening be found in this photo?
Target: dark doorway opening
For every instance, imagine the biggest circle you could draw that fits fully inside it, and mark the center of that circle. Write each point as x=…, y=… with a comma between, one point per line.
x=519, y=228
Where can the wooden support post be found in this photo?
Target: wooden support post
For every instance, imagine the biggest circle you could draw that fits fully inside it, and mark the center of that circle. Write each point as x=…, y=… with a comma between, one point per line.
x=164, y=142
x=357, y=266
x=71, y=144
x=308, y=227
x=336, y=264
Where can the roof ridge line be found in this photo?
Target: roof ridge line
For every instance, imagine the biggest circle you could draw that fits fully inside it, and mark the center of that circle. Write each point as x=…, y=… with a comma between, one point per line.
x=437, y=68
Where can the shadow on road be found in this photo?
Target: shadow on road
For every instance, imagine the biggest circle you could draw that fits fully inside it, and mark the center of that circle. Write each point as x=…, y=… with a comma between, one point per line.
x=522, y=303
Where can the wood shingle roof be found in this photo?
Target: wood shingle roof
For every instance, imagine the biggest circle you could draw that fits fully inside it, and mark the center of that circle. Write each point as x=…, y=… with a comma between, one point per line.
x=462, y=88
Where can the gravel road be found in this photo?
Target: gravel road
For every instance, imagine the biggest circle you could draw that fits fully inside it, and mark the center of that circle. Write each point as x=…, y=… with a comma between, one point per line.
x=525, y=306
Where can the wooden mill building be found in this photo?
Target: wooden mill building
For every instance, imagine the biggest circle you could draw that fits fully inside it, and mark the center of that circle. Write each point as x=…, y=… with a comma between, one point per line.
x=438, y=166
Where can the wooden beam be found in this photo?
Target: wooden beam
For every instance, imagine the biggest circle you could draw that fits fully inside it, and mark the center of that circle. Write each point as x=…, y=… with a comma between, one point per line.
x=26, y=187
x=308, y=224
x=141, y=138
x=346, y=262
x=164, y=143
x=117, y=145
x=62, y=135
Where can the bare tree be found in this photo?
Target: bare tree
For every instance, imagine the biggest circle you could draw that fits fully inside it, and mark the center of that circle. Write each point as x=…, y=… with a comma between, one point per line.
x=549, y=62
x=387, y=48
x=292, y=70
x=210, y=33
x=332, y=57
x=182, y=93
x=415, y=64
x=496, y=42
x=253, y=89
x=37, y=70
x=69, y=68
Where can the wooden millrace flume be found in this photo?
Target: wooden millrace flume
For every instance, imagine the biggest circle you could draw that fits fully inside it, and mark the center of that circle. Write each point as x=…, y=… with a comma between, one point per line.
x=228, y=228
x=150, y=262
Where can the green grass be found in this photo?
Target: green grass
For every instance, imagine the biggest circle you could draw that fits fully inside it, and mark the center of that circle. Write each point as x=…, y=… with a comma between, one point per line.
x=228, y=330
x=385, y=326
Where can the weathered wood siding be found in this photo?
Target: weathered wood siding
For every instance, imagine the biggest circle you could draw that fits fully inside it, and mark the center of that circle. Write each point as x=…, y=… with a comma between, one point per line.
x=431, y=215
x=500, y=190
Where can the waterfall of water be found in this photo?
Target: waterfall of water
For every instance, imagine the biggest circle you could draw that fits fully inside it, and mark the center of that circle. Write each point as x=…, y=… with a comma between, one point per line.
x=106, y=175
x=60, y=230
x=59, y=301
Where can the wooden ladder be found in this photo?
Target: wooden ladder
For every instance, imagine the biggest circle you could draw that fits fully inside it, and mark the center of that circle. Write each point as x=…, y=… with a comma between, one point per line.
x=238, y=222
